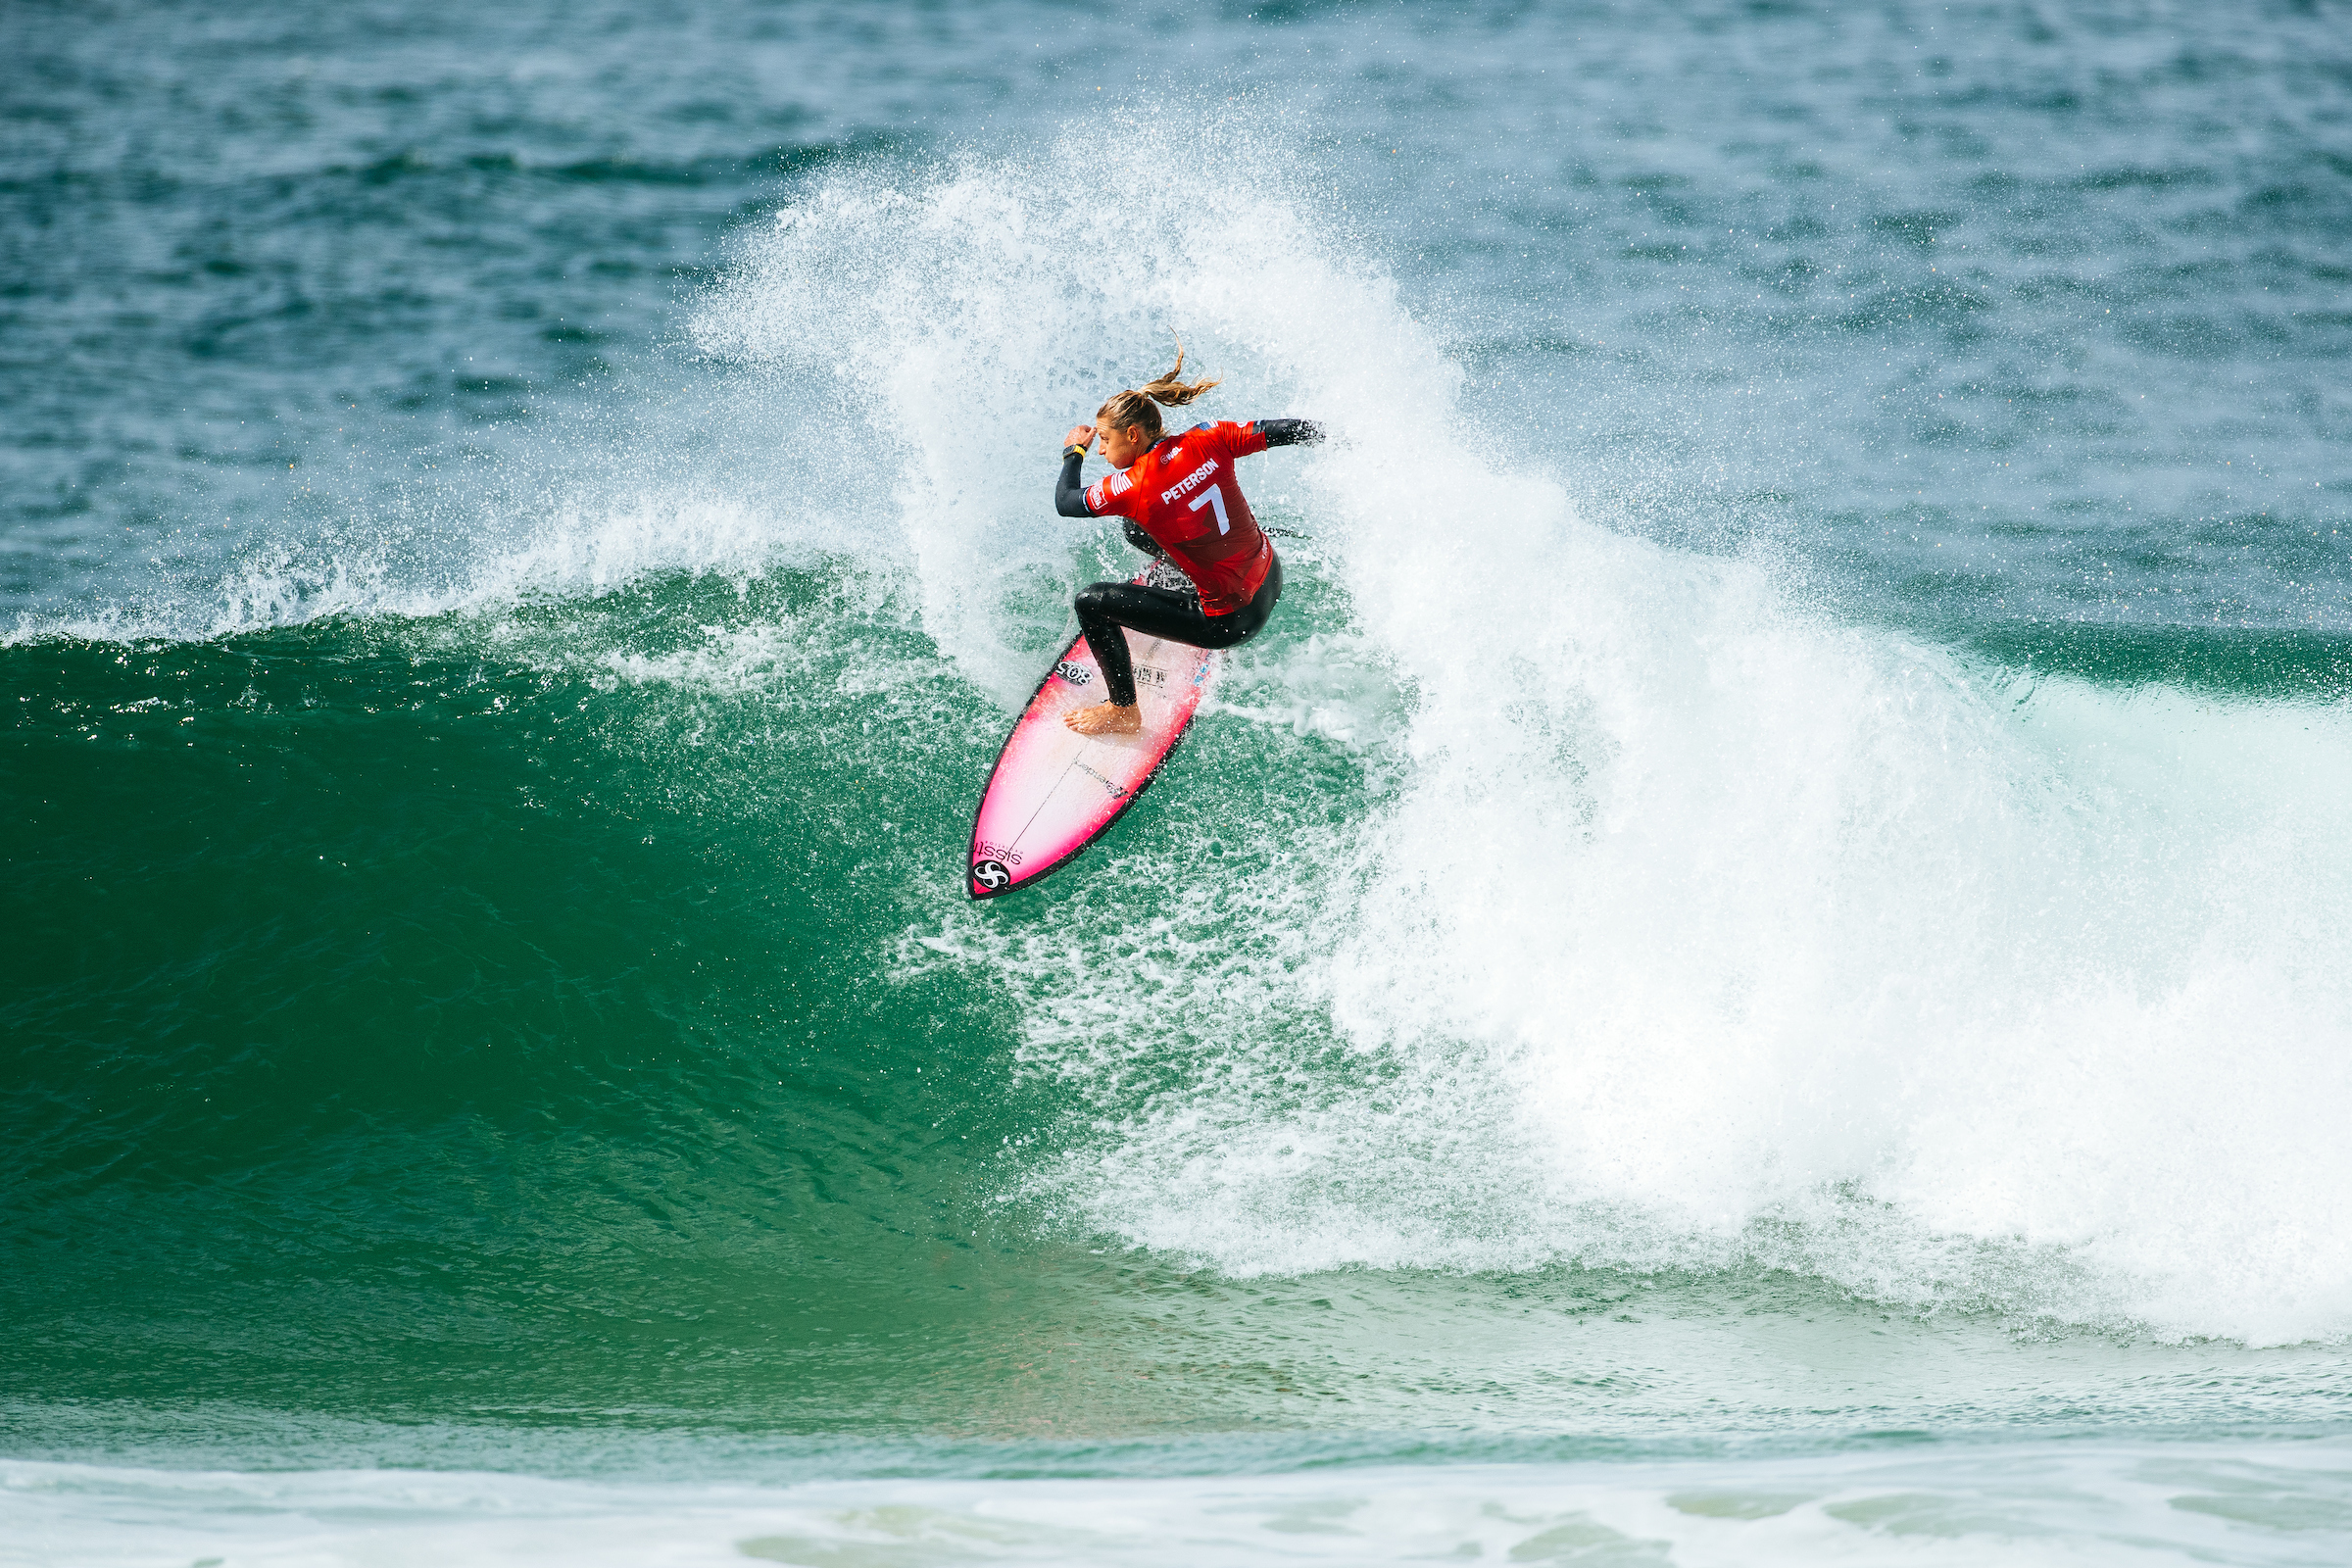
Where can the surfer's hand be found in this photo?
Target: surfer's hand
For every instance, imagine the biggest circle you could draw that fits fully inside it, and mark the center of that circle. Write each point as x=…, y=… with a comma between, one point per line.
x=1081, y=436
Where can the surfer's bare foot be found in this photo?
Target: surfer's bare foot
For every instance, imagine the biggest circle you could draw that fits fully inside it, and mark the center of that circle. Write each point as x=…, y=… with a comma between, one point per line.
x=1105, y=718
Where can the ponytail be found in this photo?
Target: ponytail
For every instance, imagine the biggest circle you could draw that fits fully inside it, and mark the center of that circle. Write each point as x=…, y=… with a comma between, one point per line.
x=1136, y=407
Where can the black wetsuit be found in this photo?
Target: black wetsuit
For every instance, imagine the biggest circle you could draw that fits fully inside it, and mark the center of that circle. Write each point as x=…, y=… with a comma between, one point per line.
x=1174, y=613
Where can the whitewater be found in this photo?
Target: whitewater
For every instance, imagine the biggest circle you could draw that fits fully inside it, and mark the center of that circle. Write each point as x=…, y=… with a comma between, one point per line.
x=1681, y=927
x=1751, y=971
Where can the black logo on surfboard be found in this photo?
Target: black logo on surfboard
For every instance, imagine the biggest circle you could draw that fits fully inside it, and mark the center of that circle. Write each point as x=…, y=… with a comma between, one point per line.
x=1117, y=789
x=990, y=874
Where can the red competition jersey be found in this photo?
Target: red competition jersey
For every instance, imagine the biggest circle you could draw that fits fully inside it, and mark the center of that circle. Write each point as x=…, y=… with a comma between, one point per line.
x=1182, y=493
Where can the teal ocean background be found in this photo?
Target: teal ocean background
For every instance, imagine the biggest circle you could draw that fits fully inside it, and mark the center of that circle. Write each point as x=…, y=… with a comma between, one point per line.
x=1754, y=969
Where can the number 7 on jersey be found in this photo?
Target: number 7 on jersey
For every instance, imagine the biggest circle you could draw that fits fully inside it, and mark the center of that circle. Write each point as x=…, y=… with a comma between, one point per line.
x=1213, y=499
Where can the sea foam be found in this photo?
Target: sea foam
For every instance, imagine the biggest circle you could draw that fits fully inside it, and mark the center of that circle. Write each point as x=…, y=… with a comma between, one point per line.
x=2025, y=1503
x=1691, y=926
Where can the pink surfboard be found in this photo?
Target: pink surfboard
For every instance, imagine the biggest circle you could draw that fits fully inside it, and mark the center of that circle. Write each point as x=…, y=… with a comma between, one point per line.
x=1055, y=791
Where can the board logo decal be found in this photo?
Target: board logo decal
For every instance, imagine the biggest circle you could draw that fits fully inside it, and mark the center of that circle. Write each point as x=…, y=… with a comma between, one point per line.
x=990, y=874
x=1076, y=674
x=1116, y=789
x=997, y=851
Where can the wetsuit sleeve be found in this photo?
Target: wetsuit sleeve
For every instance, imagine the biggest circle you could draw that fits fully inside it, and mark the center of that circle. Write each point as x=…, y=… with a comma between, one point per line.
x=1288, y=432
x=1069, y=496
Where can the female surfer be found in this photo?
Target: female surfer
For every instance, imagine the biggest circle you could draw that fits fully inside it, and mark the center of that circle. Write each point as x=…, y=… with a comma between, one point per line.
x=1178, y=497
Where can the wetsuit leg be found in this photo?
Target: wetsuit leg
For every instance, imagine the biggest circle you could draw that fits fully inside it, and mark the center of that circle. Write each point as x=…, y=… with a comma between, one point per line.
x=1169, y=613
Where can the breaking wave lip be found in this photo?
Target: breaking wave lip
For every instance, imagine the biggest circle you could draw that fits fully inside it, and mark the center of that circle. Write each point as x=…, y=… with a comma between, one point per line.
x=586, y=548
x=2031, y=1009
x=702, y=470
x=2145, y=1151
x=1688, y=928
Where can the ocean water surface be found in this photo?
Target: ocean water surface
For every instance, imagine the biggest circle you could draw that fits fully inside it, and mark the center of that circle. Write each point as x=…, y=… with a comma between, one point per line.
x=1753, y=970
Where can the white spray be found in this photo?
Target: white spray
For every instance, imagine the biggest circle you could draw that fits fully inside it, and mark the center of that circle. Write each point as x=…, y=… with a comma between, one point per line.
x=1693, y=931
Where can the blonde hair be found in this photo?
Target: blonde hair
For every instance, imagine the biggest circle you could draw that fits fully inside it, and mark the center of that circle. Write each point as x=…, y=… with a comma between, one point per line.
x=1138, y=405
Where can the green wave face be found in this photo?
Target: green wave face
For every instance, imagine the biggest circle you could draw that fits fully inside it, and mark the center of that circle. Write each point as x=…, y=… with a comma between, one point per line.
x=433, y=1016
x=521, y=1015
x=569, y=1019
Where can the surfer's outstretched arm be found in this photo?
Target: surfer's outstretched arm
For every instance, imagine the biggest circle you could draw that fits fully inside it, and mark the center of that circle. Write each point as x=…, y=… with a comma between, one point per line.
x=1288, y=432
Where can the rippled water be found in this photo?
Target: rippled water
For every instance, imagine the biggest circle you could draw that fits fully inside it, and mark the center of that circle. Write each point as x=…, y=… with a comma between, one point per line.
x=1750, y=970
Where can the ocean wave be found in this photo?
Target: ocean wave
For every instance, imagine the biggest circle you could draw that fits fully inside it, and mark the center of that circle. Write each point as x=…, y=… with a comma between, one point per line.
x=1693, y=929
